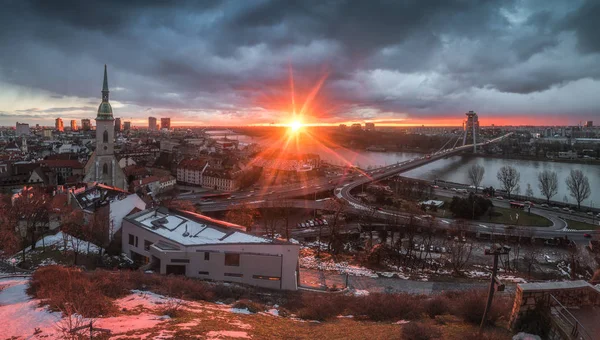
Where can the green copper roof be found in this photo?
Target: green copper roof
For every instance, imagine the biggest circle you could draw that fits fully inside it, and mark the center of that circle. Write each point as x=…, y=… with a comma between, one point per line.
x=105, y=110
x=105, y=85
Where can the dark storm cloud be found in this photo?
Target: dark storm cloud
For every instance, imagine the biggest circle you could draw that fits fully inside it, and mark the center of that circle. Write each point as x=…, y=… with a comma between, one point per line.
x=229, y=56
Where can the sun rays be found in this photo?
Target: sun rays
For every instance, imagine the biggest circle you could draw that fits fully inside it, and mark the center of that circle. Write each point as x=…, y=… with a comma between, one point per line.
x=284, y=159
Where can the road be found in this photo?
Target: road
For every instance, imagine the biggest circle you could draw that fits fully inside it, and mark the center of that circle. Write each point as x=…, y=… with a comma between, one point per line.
x=343, y=185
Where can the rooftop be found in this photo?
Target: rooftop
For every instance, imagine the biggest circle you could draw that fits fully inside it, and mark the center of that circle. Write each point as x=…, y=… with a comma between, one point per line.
x=190, y=229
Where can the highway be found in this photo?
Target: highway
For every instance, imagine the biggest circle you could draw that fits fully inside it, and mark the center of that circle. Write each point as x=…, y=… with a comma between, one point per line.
x=343, y=185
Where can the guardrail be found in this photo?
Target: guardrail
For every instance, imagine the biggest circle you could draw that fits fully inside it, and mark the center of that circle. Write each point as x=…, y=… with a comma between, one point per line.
x=573, y=327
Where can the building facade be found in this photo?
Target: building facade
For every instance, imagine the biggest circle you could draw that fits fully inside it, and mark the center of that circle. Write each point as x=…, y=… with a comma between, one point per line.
x=117, y=124
x=186, y=243
x=102, y=166
x=86, y=125
x=59, y=125
x=73, y=125
x=152, y=124
x=22, y=129
x=165, y=123
x=126, y=126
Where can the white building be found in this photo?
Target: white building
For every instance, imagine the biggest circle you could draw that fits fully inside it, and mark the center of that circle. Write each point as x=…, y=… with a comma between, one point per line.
x=110, y=202
x=186, y=243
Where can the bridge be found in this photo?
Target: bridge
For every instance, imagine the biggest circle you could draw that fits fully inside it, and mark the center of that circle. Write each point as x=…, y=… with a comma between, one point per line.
x=283, y=196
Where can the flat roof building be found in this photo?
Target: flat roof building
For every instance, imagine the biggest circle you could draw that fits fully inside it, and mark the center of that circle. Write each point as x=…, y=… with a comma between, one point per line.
x=187, y=243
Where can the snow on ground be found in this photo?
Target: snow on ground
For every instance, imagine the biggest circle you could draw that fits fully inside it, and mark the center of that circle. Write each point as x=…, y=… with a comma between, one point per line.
x=58, y=241
x=240, y=311
x=227, y=334
x=23, y=312
x=361, y=292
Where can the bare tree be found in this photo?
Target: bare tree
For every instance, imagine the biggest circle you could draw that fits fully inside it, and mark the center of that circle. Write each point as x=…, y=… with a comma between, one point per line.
x=579, y=186
x=530, y=257
x=475, y=174
x=270, y=216
x=337, y=207
x=241, y=214
x=509, y=178
x=548, y=184
x=529, y=191
x=460, y=252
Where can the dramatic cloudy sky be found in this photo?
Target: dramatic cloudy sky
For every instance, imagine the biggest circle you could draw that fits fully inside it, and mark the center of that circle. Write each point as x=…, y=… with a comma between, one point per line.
x=231, y=62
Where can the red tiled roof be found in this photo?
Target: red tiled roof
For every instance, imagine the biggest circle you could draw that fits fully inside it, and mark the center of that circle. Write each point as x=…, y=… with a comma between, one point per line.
x=62, y=163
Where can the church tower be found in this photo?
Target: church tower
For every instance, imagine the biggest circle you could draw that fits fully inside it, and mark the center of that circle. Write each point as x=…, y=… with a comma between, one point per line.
x=103, y=166
x=105, y=122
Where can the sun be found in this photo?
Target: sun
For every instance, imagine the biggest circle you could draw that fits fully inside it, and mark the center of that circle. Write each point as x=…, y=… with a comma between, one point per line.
x=295, y=126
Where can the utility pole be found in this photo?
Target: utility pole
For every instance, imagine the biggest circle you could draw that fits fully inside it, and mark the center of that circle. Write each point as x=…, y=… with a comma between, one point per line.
x=495, y=284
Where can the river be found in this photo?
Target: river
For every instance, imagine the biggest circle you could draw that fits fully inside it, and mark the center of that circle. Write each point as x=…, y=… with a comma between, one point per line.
x=454, y=169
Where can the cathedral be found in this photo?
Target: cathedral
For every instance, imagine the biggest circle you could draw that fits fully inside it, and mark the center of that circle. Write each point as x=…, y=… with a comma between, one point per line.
x=103, y=167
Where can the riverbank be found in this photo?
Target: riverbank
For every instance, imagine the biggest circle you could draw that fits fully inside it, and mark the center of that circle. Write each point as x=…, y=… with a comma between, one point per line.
x=587, y=161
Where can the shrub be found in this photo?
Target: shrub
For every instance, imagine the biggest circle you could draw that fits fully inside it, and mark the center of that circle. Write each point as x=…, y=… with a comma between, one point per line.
x=69, y=289
x=418, y=331
x=379, y=307
x=222, y=292
x=112, y=284
x=253, y=307
x=321, y=307
x=438, y=305
x=470, y=305
x=173, y=308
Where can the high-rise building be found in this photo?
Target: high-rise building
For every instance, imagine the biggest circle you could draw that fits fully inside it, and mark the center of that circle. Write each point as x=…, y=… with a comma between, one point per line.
x=117, y=124
x=370, y=126
x=356, y=127
x=471, y=127
x=165, y=123
x=126, y=126
x=58, y=124
x=47, y=133
x=152, y=124
x=102, y=167
x=73, y=125
x=589, y=123
x=22, y=129
x=86, y=125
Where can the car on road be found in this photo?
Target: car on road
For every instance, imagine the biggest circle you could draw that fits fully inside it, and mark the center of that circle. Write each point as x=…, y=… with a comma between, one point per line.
x=500, y=198
x=529, y=203
x=544, y=205
x=435, y=186
x=566, y=209
x=586, y=235
x=591, y=213
x=453, y=189
x=556, y=208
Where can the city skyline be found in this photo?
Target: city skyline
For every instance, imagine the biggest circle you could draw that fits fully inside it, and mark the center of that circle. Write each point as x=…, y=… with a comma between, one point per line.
x=409, y=64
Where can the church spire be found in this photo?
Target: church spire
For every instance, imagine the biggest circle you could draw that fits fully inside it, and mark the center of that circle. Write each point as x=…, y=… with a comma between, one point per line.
x=105, y=110
x=105, y=86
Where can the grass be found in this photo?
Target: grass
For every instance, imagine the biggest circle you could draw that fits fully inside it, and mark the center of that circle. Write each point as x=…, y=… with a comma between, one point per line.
x=578, y=225
x=508, y=216
x=502, y=216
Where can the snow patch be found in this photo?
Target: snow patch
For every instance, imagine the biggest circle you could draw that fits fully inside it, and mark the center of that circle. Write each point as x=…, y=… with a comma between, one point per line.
x=227, y=334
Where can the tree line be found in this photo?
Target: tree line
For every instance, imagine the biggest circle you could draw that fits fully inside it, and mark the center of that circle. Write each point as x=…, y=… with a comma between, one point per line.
x=577, y=182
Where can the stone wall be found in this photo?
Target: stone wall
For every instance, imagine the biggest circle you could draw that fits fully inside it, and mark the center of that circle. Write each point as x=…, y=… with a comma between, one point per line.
x=568, y=293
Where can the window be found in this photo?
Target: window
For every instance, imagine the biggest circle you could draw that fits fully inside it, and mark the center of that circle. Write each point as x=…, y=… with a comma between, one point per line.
x=105, y=136
x=147, y=245
x=180, y=261
x=203, y=273
x=233, y=274
x=206, y=256
x=105, y=168
x=264, y=277
x=131, y=238
x=232, y=260
x=136, y=241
